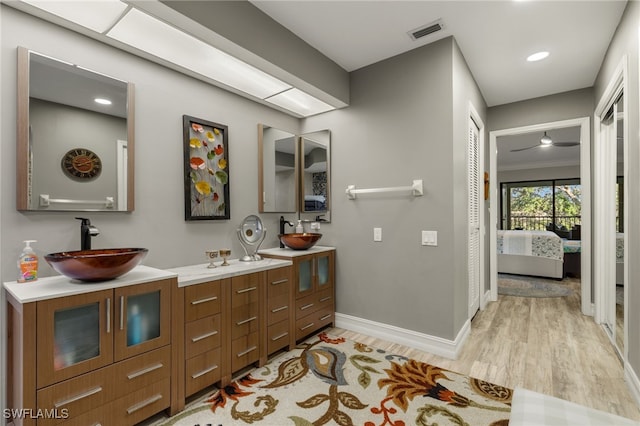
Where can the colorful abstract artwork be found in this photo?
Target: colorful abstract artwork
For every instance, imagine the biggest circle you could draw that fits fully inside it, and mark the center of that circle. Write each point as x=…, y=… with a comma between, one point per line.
x=206, y=170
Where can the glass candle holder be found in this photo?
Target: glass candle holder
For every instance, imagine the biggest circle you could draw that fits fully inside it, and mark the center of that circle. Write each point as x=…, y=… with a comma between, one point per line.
x=211, y=255
x=225, y=253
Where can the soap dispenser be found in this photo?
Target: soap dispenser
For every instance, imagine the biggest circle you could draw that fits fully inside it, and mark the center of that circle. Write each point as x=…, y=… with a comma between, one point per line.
x=299, y=228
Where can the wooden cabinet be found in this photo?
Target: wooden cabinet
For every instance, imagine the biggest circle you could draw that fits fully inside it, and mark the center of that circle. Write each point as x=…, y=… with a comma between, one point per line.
x=246, y=319
x=102, y=356
x=203, y=335
x=314, y=287
x=280, y=301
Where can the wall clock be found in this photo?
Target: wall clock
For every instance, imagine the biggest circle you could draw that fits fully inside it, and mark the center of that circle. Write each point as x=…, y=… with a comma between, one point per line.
x=81, y=163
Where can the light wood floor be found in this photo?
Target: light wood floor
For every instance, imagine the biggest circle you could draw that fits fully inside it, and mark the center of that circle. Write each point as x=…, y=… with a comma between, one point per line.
x=542, y=344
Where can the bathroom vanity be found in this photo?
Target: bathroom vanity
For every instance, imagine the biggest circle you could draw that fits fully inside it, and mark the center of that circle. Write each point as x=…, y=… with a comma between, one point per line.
x=118, y=352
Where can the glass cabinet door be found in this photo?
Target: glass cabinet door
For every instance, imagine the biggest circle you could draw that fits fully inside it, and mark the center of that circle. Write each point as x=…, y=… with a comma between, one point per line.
x=75, y=336
x=324, y=270
x=142, y=318
x=304, y=272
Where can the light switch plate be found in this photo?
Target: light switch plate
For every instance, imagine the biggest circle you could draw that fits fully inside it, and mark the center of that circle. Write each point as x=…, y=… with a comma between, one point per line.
x=429, y=238
x=377, y=234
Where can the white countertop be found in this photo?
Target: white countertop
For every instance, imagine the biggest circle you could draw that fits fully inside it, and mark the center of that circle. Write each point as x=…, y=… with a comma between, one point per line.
x=60, y=286
x=196, y=274
x=294, y=253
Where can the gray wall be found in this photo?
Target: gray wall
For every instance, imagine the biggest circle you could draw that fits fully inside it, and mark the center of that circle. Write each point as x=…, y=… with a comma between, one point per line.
x=162, y=97
x=400, y=129
x=625, y=42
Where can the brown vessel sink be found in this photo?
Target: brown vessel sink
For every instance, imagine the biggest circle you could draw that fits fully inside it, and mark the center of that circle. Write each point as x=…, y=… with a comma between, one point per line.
x=299, y=241
x=96, y=265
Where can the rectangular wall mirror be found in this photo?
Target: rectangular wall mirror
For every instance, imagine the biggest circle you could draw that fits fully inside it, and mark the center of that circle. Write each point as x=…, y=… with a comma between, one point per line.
x=294, y=172
x=278, y=175
x=75, y=137
x=315, y=166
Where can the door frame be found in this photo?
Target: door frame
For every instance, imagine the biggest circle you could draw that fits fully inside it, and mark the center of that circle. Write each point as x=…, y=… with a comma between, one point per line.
x=585, y=183
x=606, y=246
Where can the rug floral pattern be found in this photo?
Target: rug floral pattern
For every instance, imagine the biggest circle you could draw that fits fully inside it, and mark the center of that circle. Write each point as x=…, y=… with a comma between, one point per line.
x=334, y=381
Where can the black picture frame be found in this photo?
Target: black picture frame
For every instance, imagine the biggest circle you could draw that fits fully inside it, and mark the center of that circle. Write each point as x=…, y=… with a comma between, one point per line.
x=206, y=170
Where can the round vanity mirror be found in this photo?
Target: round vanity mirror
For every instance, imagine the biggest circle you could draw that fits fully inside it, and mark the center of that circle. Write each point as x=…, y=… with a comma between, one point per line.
x=251, y=234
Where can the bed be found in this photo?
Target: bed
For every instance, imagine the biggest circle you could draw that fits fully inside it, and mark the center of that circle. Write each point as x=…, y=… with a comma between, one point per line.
x=536, y=253
x=574, y=248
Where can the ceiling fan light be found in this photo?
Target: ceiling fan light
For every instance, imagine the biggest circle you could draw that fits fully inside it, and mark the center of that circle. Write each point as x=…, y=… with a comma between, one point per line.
x=546, y=140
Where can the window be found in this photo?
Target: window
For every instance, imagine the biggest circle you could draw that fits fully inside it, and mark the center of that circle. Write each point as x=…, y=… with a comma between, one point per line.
x=538, y=205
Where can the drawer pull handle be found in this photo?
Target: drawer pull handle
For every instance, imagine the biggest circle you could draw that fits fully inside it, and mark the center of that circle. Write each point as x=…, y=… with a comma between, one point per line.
x=243, y=353
x=302, y=308
x=279, y=281
x=203, y=372
x=245, y=290
x=281, y=308
x=144, y=403
x=145, y=371
x=204, y=336
x=324, y=299
x=78, y=397
x=246, y=321
x=280, y=336
x=325, y=317
x=306, y=326
x=206, y=299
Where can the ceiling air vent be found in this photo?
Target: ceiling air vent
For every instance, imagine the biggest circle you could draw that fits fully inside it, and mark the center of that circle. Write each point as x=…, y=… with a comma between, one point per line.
x=425, y=30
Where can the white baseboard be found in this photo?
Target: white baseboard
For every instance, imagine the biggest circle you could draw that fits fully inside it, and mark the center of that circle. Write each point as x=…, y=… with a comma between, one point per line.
x=424, y=342
x=633, y=383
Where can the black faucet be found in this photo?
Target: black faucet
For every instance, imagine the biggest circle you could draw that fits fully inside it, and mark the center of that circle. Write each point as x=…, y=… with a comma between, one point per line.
x=319, y=218
x=86, y=232
x=283, y=222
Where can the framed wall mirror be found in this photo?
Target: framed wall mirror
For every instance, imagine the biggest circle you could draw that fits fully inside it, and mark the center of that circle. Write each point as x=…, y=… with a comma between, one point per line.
x=315, y=149
x=75, y=137
x=278, y=175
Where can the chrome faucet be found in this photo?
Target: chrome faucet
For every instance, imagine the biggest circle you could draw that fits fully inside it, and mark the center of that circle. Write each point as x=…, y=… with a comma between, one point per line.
x=283, y=222
x=87, y=230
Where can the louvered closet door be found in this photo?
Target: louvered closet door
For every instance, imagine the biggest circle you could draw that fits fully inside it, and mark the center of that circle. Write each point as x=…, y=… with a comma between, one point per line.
x=474, y=219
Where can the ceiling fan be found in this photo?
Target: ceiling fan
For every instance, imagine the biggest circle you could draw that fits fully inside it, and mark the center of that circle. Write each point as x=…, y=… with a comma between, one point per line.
x=547, y=141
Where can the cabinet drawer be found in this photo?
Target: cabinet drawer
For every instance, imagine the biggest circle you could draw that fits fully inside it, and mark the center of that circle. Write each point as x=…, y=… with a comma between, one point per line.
x=277, y=336
x=325, y=299
x=313, y=322
x=201, y=300
x=306, y=305
x=78, y=395
x=244, y=351
x=278, y=282
x=143, y=403
x=278, y=309
x=202, y=371
x=202, y=335
x=99, y=416
x=245, y=319
x=142, y=370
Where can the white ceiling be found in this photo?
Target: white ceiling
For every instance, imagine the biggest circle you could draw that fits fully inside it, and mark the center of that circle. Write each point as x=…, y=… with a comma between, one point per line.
x=494, y=36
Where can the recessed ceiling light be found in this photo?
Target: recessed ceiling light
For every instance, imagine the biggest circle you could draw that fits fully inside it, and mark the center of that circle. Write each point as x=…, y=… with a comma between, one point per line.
x=102, y=101
x=98, y=16
x=537, y=56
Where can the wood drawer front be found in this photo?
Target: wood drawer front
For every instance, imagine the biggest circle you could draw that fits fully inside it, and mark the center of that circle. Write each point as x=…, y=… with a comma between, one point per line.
x=278, y=282
x=307, y=305
x=277, y=336
x=202, y=335
x=142, y=370
x=313, y=322
x=80, y=394
x=278, y=309
x=202, y=371
x=244, y=351
x=245, y=319
x=141, y=404
x=100, y=416
x=201, y=300
x=325, y=299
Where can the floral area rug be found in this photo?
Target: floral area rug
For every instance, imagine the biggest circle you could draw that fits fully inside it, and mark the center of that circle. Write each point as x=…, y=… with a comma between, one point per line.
x=338, y=382
x=525, y=286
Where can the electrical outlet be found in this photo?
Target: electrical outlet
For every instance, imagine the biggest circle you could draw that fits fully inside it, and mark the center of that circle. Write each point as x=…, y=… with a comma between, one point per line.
x=429, y=238
x=377, y=234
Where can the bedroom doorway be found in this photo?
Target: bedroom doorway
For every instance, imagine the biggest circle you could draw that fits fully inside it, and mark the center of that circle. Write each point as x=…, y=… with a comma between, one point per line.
x=582, y=131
